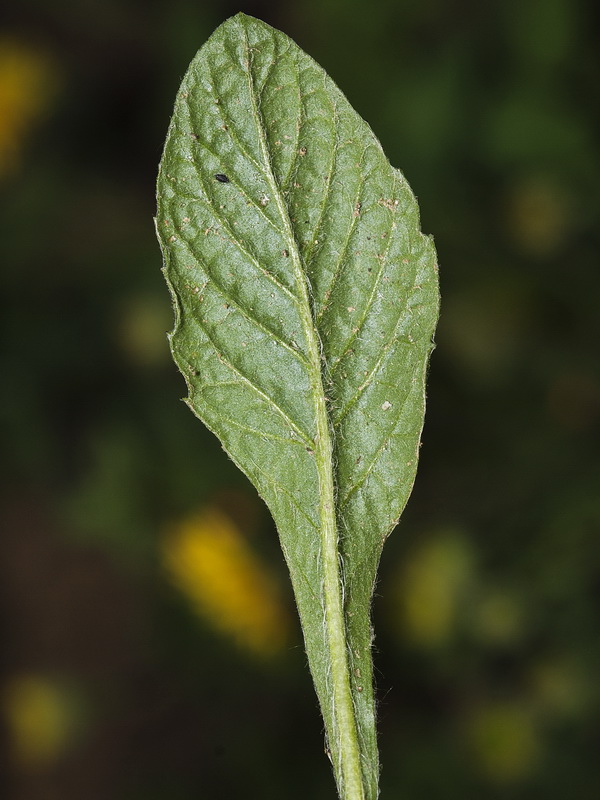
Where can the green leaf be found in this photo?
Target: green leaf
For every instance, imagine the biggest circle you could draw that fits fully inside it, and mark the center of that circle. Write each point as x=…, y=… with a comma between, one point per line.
x=306, y=299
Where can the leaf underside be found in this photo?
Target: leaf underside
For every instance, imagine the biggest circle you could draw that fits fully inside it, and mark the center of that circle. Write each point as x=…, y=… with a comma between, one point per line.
x=302, y=286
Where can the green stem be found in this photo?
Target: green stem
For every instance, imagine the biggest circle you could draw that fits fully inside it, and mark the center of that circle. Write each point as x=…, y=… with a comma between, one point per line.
x=345, y=729
x=345, y=747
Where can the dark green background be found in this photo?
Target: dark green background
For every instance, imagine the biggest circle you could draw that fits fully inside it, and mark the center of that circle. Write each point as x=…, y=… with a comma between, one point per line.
x=490, y=109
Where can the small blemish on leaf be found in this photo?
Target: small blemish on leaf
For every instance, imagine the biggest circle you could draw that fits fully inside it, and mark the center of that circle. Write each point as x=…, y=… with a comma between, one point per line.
x=386, y=406
x=302, y=151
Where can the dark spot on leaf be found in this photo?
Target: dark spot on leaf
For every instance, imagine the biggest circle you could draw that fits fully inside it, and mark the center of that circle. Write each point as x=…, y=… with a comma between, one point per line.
x=221, y=178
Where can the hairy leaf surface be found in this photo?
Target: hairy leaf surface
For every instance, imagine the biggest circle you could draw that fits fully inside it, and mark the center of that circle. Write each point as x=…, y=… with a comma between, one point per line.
x=306, y=299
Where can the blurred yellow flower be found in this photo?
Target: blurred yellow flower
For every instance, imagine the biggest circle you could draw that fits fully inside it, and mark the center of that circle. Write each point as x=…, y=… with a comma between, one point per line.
x=209, y=560
x=27, y=84
x=39, y=719
x=430, y=588
x=505, y=741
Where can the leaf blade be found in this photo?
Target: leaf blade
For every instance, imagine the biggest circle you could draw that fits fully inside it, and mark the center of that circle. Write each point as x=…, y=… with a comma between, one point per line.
x=305, y=296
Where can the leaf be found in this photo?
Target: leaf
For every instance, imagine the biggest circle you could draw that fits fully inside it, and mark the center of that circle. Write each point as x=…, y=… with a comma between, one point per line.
x=306, y=299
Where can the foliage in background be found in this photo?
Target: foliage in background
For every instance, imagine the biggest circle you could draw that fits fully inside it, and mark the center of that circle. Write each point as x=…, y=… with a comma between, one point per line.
x=493, y=695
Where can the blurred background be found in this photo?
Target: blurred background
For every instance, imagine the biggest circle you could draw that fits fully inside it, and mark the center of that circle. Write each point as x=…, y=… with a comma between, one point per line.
x=150, y=647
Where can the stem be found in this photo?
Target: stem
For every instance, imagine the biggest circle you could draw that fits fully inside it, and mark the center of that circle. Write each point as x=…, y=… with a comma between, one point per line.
x=348, y=770
x=342, y=706
x=346, y=747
